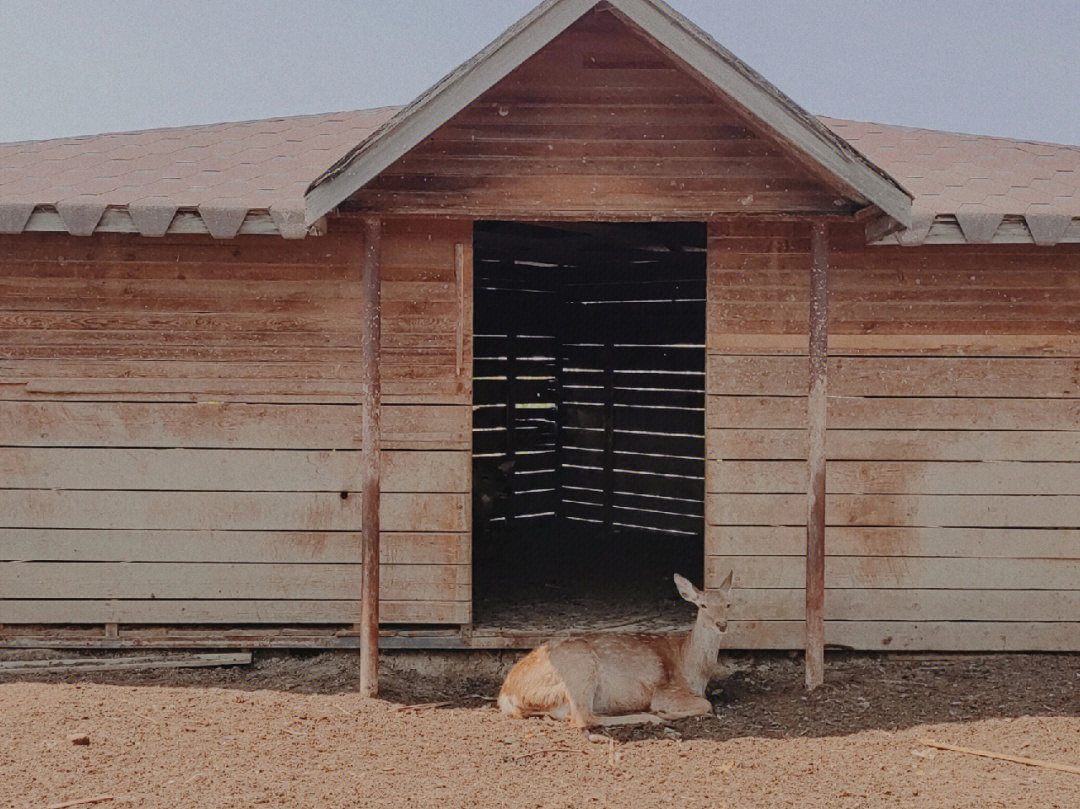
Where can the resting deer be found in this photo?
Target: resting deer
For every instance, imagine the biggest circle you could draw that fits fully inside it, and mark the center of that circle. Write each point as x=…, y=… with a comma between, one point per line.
x=599, y=679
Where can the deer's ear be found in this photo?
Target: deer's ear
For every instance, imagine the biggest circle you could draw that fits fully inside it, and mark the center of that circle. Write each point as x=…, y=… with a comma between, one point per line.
x=687, y=590
x=727, y=582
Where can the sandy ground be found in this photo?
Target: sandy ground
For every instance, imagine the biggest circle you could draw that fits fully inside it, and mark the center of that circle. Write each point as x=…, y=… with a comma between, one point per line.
x=292, y=732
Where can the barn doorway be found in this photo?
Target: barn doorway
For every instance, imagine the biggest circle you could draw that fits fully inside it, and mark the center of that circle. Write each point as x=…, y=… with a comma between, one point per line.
x=588, y=423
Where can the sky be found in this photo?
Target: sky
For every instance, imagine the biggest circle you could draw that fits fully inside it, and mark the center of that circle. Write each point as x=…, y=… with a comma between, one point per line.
x=67, y=67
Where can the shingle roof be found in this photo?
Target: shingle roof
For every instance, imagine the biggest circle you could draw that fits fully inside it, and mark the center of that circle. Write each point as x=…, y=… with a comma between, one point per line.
x=219, y=173
x=977, y=180
x=252, y=176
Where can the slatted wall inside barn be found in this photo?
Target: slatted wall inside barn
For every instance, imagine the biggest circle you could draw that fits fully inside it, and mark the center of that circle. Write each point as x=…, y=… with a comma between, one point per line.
x=633, y=381
x=590, y=379
x=954, y=433
x=181, y=421
x=515, y=388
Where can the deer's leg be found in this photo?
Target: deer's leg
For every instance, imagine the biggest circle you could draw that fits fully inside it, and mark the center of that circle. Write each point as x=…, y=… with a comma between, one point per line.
x=580, y=703
x=630, y=719
x=678, y=703
x=579, y=682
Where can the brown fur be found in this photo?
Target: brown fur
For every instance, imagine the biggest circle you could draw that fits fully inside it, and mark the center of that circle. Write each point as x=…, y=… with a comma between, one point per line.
x=582, y=679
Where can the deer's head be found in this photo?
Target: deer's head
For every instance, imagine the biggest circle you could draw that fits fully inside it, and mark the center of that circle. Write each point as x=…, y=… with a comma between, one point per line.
x=713, y=605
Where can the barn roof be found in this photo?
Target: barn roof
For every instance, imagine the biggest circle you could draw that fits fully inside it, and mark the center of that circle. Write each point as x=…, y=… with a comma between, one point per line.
x=254, y=177
x=247, y=177
x=976, y=188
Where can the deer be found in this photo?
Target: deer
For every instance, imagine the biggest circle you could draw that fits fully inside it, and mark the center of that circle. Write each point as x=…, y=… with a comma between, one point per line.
x=623, y=678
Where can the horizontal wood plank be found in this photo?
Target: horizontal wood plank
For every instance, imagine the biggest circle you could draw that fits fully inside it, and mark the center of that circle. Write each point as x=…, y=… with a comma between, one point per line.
x=1004, y=543
x=222, y=425
x=239, y=511
x=911, y=605
x=899, y=445
x=987, y=511
x=944, y=573
x=789, y=412
x=196, y=580
x=237, y=547
x=908, y=636
x=225, y=611
x=899, y=376
x=899, y=477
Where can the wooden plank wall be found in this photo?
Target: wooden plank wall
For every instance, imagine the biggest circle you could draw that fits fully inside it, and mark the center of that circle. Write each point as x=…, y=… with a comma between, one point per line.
x=954, y=415
x=599, y=124
x=181, y=420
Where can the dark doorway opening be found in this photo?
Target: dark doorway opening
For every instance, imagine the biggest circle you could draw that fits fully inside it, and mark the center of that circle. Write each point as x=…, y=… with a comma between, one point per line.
x=588, y=422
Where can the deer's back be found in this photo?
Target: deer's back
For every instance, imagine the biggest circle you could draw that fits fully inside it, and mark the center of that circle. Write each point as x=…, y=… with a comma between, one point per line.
x=625, y=669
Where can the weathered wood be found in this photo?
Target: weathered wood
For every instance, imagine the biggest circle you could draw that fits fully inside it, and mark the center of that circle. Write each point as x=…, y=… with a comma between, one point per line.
x=816, y=469
x=845, y=572
x=951, y=636
x=144, y=663
x=236, y=547
x=1029, y=762
x=246, y=511
x=472, y=163
x=903, y=541
x=199, y=580
x=370, y=482
x=925, y=510
x=218, y=424
x=227, y=612
x=901, y=477
x=1038, y=377
x=890, y=604
x=900, y=445
x=222, y=470
x=897, y=413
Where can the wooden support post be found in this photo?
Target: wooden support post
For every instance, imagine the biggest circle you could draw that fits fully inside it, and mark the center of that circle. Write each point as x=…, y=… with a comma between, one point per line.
x=816, y=409
x=371, y=340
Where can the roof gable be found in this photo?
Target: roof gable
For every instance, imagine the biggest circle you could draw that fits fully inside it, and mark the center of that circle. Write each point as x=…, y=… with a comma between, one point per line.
x=818, y=147
x=601, y=123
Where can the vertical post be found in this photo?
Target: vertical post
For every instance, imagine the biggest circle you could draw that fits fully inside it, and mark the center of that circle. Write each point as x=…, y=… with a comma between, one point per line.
x=371, y=340
x=816, y=409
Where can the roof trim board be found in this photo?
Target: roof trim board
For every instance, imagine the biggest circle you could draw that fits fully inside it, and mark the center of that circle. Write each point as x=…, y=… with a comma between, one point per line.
x=675, y=33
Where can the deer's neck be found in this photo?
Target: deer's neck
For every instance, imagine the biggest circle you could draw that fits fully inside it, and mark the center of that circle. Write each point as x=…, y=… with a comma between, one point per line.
x=699, y=655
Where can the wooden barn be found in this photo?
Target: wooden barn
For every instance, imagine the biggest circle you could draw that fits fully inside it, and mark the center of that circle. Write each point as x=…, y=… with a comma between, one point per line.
x=601, y=306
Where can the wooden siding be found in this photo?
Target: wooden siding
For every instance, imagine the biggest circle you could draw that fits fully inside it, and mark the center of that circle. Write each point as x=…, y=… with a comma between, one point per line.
x=601, y=123
x=181, y=429
x=954, y=423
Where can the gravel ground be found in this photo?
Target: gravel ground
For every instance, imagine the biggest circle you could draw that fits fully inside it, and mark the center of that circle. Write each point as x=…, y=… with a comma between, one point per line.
x=292, y=732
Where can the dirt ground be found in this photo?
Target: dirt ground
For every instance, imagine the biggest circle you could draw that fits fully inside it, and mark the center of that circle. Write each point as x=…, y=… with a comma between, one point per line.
x=292, y=732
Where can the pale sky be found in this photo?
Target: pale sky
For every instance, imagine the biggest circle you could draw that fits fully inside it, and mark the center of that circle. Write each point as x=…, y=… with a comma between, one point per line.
x=76, y=67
